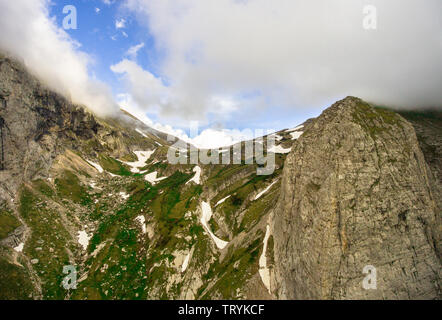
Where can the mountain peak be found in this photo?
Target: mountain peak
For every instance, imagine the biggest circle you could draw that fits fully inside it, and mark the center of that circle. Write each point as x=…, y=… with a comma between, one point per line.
x=350, y=189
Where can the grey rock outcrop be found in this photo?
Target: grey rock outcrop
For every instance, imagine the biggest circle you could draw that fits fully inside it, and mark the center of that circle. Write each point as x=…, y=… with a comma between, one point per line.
x=357, y=191
x=428, y=127
x=37, y=125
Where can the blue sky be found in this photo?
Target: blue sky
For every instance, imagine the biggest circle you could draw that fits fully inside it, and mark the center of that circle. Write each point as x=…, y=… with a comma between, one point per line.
x=98, y=36
x=230, y=64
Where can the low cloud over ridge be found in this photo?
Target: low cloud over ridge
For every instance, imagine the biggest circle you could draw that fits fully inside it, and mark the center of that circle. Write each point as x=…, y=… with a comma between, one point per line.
x=29, y=33
x=295, y=54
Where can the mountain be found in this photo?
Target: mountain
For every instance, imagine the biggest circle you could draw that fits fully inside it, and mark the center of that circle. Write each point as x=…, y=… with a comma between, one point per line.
x=353, y=187
x=356, y=192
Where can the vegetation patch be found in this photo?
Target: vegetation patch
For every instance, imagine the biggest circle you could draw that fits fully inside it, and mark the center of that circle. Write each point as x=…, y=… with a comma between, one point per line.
x=123, y=218
x=69, y=187
x=15, y=283
x=375, y=120
x=43, y=187
x=232, y=273
x=49, y=244
x=8, y=222
x=114, y=166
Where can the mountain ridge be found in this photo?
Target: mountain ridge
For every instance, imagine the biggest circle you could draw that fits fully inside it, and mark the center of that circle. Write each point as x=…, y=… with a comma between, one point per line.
x=100, y=195
x=372, y=201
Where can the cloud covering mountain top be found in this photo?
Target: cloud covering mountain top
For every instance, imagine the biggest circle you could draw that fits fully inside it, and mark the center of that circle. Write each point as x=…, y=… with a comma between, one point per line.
x=294, y=53
x=232, y=59
x=49, y=52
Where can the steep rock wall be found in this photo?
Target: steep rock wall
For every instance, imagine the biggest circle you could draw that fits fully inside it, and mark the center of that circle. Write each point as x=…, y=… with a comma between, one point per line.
x=357, y=191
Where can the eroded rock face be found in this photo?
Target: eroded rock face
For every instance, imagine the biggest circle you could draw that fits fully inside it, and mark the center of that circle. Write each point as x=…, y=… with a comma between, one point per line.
x=39, y=124
x=357, y=191
x=428, y=127
x=35, y=121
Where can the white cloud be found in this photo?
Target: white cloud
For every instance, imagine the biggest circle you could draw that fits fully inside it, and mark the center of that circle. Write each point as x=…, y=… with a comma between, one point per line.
x=97, y=10
x=146, y=90
x=120, y=23
x=295, y=53
x=206, y=139
x=50, y=53
x=132, y=52
x=172, y=101
x=214, y=138
x=126, y=102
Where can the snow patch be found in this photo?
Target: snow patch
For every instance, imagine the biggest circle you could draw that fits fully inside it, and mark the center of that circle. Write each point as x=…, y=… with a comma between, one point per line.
x=19, y=248
x=124, y=195
x=295, y=135
x=205, y=218
x=264, y=272
x=142, y=156
x=259, y=195
x=222, y=200
x=197, y=177
x=141, y=132
x=295, y=129
x=142, y=221
x=279, y=149
x=83, y=239
x=152, y=177
x=185, y=263
x=96, y=166
x=276, y=136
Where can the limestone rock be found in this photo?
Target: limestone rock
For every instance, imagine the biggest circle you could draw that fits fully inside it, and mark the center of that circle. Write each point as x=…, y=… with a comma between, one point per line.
x=357, y=191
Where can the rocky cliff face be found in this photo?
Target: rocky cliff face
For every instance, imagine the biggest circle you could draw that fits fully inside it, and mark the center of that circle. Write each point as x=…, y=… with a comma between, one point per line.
x=428, y=127
x=39, y=124
x=101, y=195
x=356, y=192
